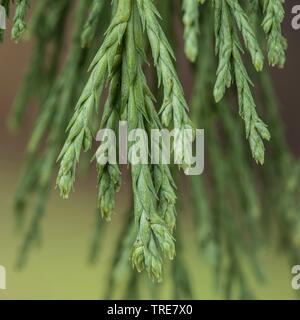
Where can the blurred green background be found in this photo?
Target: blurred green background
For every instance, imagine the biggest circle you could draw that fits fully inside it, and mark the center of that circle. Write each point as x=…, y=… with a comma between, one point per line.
x=58, y=268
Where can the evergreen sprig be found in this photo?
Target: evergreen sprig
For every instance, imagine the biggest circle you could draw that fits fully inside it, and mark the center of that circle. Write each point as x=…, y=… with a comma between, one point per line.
x=231, y=69
x=174, y=108
x=91, y=24
x=153, y=236
x=256, y=130
x=52, y=117
x=120, y=60
x=19, y=23
x=109, y=176
x=191, y=27
x=80, y=130
x=229, y=231
x=273, y=18
x=47, y=29
x=249, y=37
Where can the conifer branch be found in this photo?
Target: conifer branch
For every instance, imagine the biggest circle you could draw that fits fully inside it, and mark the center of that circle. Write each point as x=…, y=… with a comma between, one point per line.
x=19, y=23
x=91, y=24
x=273, y=18
x=174, y=108
x=229, y=51
x=153, y=236
x=80, y=131
x=191, y=28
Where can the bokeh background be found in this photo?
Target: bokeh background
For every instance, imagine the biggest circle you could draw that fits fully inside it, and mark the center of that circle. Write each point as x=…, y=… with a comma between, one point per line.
x=58, y=268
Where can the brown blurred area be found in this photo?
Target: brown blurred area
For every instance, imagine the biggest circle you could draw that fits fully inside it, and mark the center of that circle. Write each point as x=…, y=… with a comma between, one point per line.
x=287, y=81
x=14, y=57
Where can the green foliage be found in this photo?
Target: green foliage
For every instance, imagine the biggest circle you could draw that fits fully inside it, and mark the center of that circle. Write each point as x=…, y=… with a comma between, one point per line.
x=231, y=203
x=277, y=44
x=191, y=28
x=91, y=24
x=231, y=69
x=19, y=23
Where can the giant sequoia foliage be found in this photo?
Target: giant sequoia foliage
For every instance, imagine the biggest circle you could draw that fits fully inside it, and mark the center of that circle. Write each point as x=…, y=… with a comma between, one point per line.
x=249, y=192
